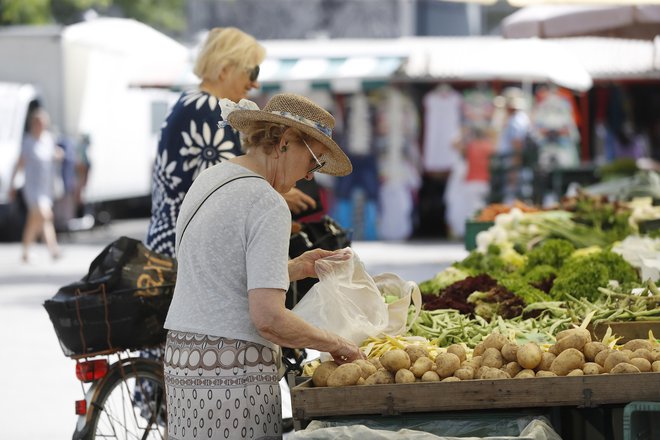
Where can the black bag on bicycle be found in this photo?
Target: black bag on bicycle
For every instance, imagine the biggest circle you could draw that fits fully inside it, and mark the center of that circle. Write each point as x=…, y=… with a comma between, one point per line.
x=120, y=304
x=325, y=234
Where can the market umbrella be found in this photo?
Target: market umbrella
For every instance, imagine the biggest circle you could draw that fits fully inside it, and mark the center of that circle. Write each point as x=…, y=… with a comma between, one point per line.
x=553, y=21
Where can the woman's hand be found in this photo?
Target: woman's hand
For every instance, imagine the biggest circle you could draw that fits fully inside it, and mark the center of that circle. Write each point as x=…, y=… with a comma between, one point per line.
x=303, y=266
x=298, y=201
x=346, y=352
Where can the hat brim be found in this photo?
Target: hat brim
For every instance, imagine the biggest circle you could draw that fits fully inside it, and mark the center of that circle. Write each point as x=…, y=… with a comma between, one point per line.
x=336, y=161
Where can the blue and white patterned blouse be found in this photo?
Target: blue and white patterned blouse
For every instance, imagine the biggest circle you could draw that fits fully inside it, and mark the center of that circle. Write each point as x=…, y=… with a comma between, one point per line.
x=190, y=141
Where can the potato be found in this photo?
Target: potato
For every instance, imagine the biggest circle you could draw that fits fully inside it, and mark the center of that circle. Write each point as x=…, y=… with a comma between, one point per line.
x=446, y=364
x=495, y=340
x=361, y=381
x=376, y=363
x=478, y=349
x=635, y=344
x=479, y=374
x=642, y=353
x=655, y=366
x=591, y=349
x=545, y=373
x=477, y=360
x=394, y=360
x=450, y=379
x=567, y=361
x=380, y=377
x=546, y=361
x=656, y=354
x=575, y=340
x=591, y=368
x=367, y=367
x=615, y=358
x=529, y=355
x=513, y=368
x=465, y=373
x=494, y=373
x=421, y=366
x=404, y=376
x=509, y=351
x=525, y=374
x=415, y=352
x=458, y=350
x=601, y=356
x=345, y=375
x=322, y=372
x=430, y=376
x=624, y=368
x=576, y=372
x=642, y=364
x=580, y=331
x=492, y=358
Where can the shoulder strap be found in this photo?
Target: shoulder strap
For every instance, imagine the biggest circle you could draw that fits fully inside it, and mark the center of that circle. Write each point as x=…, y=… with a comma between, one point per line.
x=205, y=198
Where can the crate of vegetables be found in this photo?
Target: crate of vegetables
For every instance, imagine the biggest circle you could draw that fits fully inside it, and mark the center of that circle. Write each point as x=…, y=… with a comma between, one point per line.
x=497, y=374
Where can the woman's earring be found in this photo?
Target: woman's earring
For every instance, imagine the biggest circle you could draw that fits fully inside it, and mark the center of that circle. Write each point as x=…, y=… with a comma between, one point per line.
x=284, y=147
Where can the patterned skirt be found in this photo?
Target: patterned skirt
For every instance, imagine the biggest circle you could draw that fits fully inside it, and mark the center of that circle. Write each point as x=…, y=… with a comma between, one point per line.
x=219, y=388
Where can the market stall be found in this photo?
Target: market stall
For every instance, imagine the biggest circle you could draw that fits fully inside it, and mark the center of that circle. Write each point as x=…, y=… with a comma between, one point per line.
x=554, y=312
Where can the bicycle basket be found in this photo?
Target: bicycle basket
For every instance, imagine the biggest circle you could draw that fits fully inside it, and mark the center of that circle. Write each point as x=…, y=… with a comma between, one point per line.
x=103, y=321
x=121, y=303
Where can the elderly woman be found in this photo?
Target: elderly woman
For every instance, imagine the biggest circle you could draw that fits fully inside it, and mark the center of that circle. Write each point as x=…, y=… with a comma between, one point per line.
x=191, y=140
x=228, y=317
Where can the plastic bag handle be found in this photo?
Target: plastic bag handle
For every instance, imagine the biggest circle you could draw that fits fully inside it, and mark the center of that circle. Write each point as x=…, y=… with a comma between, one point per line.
x=416, y=297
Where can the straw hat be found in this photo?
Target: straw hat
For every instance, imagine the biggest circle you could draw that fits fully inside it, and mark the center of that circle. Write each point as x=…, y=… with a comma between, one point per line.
x=299, y=112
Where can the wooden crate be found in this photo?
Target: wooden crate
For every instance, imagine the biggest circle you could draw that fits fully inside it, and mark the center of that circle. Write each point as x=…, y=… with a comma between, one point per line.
x=627, y=330
x=309, y=402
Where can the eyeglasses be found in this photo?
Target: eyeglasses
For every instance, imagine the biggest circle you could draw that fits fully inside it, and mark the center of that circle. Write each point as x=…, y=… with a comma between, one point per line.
x=319, y=164
x=254, y=73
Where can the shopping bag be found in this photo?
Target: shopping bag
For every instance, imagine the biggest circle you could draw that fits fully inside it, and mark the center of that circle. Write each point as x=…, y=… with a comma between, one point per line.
x=347, y=300
x=121, y=303
x=407, y=292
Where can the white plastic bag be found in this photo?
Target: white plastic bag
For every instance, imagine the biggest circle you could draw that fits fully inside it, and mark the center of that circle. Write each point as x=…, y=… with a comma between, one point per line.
x=347, y=300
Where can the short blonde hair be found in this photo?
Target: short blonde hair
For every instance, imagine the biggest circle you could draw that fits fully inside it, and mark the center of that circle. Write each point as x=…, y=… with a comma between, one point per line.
x=227, y=47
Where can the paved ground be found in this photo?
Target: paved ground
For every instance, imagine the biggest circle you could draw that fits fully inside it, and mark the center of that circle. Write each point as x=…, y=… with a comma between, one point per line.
x=37, y=381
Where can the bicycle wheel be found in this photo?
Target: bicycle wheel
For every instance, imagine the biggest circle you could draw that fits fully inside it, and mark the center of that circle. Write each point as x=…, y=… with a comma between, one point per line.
x=116, y=411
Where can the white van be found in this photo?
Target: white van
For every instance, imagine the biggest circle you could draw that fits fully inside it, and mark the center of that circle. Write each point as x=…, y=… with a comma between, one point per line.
x=106, y=80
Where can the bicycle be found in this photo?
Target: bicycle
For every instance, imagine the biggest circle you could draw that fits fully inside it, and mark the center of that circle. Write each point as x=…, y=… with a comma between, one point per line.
x=112, y=408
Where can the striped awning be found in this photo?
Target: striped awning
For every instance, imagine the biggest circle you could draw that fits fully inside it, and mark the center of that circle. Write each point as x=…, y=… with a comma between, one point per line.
x=339, y=74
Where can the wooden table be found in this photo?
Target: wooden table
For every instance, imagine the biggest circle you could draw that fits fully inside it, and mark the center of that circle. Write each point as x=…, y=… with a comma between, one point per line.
x=309, y=402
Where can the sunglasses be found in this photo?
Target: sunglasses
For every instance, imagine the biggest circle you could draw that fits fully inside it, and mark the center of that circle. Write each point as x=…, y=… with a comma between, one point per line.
x=319, y=164
x=254, y=73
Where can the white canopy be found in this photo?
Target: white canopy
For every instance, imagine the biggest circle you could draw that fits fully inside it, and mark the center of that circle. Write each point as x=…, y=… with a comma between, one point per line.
x=146, y=56
x=490, y=58
x=553, y=21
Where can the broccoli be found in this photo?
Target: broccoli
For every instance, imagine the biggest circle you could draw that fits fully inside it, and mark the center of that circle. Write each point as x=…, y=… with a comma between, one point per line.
x=497, y=261
x=541, y=276
x=517, y=284
x=442, y=279
x=552, y=252
x=581, y=276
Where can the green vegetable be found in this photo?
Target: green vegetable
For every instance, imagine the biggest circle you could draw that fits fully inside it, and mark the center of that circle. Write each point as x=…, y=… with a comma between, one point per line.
x=541, y=273
x=517, y=284
x=442, y=279
x=581, y=276
x=552, y=252
x=498, y=260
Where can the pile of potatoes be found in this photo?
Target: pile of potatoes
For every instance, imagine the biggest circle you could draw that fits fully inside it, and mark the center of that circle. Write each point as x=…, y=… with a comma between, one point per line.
x=574, y=354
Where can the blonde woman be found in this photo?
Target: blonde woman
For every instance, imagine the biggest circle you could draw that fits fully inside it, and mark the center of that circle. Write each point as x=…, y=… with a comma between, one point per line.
x=228, y=316
x=191, y=141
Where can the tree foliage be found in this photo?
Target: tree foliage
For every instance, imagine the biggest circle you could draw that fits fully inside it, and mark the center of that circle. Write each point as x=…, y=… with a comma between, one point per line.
x=166, y=15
